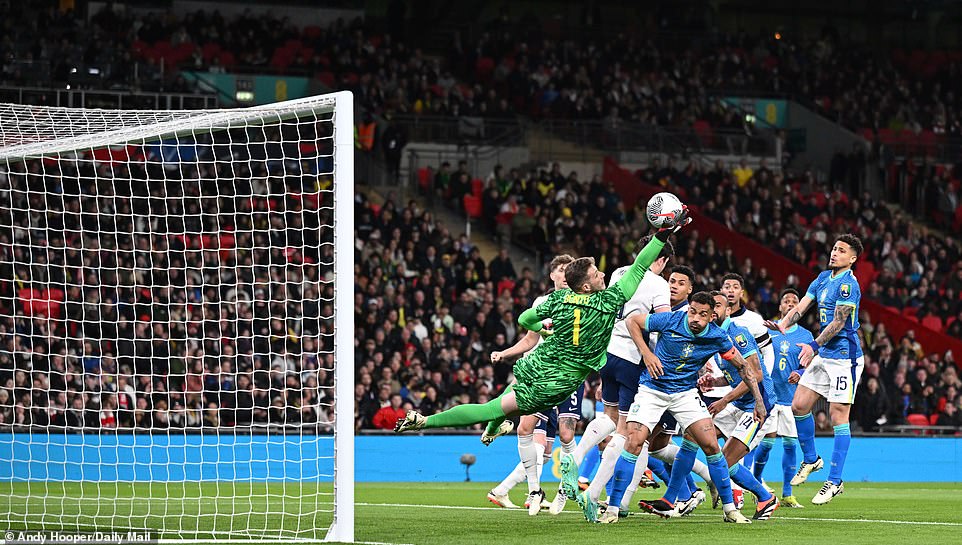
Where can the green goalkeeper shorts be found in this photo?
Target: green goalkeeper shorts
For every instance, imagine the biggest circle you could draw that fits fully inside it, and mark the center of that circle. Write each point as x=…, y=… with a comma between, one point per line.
x=542, y=385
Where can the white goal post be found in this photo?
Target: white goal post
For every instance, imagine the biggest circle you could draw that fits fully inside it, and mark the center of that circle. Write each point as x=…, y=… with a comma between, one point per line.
x=176, y=321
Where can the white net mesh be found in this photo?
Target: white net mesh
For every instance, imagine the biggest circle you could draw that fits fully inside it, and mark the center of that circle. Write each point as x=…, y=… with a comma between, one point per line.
x=167, y=315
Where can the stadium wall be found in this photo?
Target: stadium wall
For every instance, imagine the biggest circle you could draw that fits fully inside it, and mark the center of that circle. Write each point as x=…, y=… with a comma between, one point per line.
x=381, y=458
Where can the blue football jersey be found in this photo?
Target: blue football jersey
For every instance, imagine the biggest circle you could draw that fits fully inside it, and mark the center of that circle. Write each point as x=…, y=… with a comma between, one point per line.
x=745, y=344
x=786, y=360
x=682, y=353
x=828, y=293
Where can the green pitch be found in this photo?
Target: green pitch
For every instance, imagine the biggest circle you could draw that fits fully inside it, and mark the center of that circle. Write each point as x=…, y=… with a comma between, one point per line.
x=455, y=513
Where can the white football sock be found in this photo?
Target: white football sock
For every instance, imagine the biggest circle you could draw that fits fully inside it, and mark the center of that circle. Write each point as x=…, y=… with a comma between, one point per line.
x=606, y=468
x=595, y=433
x=528, y=453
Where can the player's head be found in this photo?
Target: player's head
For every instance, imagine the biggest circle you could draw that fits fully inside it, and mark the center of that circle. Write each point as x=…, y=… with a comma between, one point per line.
x=557, y=270
x=667, y=252
x=732, y=286
x=681, y=282
x=846, y=250
x=721, y=307
x=700, y=311
x=583, y=277
x=787, y=301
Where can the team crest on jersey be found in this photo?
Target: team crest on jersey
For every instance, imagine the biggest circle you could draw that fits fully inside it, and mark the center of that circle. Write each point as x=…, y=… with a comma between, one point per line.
x=845, y=290
x=687, y=350
x=823, y=295
x=783, y=348
x=741, y=341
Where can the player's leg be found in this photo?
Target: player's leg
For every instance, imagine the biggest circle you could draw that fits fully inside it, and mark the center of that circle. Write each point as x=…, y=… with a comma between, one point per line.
x=493, y=412
x=844, y=378
x=600, y=428
x=499, y=494
x=762, y=453
x=619, y=380
x=643, y=414
x=814, y=384
x=744, y=437
x=665, y=451
x=785, y=428
x=569, y=413
x=703, y=432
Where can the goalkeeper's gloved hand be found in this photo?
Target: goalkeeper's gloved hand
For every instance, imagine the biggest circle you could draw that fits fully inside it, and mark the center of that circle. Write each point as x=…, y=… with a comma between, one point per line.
x=680, y=220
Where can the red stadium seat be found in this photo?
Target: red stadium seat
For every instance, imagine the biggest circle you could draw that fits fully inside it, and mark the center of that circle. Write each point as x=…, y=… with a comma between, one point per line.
x=703, y=130
x=472, y=206
x=933, y=419
x=932, y=322
x=917, y=420
x=424, y=179
x=477, y=187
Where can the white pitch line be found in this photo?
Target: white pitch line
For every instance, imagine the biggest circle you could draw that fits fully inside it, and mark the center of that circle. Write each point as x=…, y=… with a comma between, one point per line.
x=813, y=519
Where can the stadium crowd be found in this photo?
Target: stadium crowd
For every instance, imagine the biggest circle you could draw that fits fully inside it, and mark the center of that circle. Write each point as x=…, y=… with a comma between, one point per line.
x=200, y=299
x=512, y=67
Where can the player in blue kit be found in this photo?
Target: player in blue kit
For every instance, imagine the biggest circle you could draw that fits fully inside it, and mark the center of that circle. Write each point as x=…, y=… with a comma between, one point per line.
x=833, y=362
x=785, y=376
x=733, y=416
x=669, y=383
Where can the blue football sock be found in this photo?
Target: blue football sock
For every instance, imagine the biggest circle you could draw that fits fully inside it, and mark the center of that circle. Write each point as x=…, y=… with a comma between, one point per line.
x=624, y=471
x=691, y=484
x=684, y=462
x=718, y=469
x=806, y=437
x=843, y=437
x=789, y=464
x=761, y=456
x=659, y=469
x=589, y=464
x=744, y=478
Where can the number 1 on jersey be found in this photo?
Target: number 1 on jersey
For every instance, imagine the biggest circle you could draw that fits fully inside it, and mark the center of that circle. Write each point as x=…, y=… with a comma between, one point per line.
x=577, y=329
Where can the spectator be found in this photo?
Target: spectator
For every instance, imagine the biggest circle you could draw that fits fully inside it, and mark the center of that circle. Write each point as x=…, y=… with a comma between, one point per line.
x=386, y=417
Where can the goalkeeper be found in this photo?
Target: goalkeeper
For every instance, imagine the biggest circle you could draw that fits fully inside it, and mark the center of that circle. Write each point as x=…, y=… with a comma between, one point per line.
x=582, y=318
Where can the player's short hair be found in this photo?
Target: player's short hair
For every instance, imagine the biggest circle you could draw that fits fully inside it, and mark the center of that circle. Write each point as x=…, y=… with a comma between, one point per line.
x=734, y=276
x=786, y=291
x=687, y=271
x=560, y=260
x=576, y=273
x=716, y=293
x=667, y=251
x=703, y=298
x=853, y=241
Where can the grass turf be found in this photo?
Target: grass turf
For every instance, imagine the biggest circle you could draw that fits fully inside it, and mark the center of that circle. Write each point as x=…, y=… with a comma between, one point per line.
x=453, y=513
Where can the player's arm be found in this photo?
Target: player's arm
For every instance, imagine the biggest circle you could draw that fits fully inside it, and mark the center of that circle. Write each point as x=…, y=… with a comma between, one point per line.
x=628, y=283
x=842, y=314
x=529, y=341
x=531, y=321
x=637, y=324
x=737, y=391
x=793, y=317
x=750, y=374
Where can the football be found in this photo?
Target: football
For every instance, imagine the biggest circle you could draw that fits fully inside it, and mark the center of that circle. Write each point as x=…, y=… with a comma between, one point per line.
x=662, y=207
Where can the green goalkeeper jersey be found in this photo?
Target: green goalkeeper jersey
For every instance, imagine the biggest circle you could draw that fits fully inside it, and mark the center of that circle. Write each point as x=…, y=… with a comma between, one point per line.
x=582, y=324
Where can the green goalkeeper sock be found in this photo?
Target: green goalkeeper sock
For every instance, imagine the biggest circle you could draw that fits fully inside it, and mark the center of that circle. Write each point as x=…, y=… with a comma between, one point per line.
x=467, y=415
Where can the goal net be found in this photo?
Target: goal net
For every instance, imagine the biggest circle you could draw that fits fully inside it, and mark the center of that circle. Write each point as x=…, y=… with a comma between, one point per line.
x=176, y=325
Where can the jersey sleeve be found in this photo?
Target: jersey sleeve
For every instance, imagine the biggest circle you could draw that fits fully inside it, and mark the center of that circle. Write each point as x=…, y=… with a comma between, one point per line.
x=812, y=291
x=726, y=348
x=658, y=322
